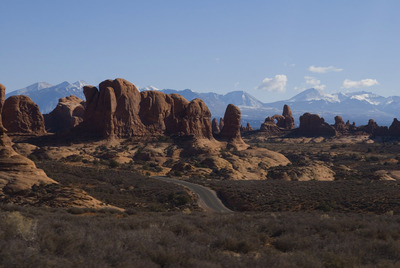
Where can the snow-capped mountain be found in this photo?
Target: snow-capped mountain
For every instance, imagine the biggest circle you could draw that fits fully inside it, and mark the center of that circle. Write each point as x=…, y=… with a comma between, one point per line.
x=46, y=95
x=217, y=102
x=354, y=106
x=313, y=94
x=149, y=88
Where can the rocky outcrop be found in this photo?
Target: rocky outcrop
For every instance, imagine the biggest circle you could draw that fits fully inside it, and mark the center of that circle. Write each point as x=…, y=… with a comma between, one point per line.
x=117, y=109
x=174, y=115
x=373, y=129
x=312, y=125
x=68, y=113
x=289, y=120
x=231, y=130
x=394, y=129
x=112, y=110
x=247, y=128
x=340, y=126
x=286, y=120
x=21, y=115
x=2, y=99
x=215, y=127
x=221, y=123
x=269, y=127
x=17, y=173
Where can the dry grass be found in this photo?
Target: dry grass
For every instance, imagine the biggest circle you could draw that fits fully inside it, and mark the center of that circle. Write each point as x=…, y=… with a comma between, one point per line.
x=113, y=239
x=378, y=197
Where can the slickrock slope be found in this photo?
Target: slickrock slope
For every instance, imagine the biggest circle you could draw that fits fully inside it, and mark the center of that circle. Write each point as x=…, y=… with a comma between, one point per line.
x=22, y=115
x=19, y=176
x=17, y=173
x=68, y=113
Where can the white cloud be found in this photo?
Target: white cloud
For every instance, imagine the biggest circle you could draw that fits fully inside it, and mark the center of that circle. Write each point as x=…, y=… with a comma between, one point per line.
x=314, y=82
x=323, y=70
x=275, y=84
x=347, y=83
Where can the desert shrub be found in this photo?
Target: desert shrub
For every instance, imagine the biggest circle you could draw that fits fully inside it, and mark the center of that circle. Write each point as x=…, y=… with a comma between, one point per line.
x=239, y=246
x=177, y=173
x=372, y=159
x=168, y=239
x=113, y=164
x=73, y=158
x=334, y=146
x=14, y=224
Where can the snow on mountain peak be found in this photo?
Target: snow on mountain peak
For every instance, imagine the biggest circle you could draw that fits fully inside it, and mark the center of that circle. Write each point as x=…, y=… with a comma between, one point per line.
x=80, y=84
x=314, y=94
x=149, y=88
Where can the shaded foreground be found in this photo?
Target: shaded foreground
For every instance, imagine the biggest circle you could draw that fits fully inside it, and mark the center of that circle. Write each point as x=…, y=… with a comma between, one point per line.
x=37, y=237
x=368, y=196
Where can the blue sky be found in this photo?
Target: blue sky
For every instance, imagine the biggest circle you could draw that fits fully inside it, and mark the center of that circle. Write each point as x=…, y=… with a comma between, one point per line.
x=272, y=49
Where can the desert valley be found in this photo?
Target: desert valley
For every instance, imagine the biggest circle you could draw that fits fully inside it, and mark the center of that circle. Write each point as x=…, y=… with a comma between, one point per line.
x=87, y=185
x=204, y=134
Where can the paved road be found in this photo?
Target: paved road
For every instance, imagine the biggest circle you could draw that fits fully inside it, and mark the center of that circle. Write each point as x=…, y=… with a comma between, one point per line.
x=208, y=199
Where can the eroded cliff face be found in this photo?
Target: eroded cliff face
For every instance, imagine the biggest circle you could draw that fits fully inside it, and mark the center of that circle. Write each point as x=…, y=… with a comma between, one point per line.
x=22, y=116
x=17, y=173
x=68, y=113
x=314, y=125
x=119, y=110
x=231, y=129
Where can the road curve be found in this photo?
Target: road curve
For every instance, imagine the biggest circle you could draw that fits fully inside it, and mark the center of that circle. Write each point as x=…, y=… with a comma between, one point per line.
x=208, y=199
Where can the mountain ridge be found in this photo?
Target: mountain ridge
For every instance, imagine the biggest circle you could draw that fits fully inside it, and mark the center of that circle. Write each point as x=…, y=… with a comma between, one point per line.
x=356, y=107
x=46, y=95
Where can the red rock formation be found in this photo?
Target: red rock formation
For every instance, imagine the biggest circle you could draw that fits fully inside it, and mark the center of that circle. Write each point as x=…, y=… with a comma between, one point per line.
x=22, y=115
x=2, y=99
x=119, y=110
x=289, y=120
x=113, y=110
x=247, y=128
x=340, y=126
x=373, y=129
x=313, y=125
x=17, y=173
x=215, y=127
x=286, y=120
x=269, y=127
x=394, y=129
x=174, y=115
x=231, y=129
x=68, y=113
x=221, y=123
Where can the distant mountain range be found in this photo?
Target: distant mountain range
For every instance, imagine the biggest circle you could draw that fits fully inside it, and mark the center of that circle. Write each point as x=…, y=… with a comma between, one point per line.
x=46, y=95
x=357, y=107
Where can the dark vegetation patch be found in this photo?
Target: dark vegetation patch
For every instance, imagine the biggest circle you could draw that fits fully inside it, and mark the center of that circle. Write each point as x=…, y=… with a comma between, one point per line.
x=367, y=196
x=122, y=188
x=38, y=237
